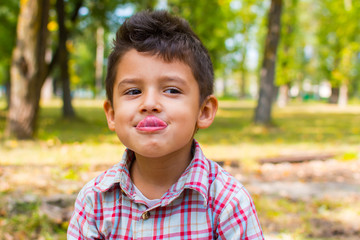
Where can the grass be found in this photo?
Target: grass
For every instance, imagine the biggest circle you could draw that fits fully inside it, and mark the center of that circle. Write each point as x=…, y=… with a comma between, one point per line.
x=314, y=125
x=317, y=219
x=25, y=222
x=306, y=123
x=66, y=150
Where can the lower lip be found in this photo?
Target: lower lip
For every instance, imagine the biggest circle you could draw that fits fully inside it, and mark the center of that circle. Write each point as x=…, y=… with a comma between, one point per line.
x=150, y=129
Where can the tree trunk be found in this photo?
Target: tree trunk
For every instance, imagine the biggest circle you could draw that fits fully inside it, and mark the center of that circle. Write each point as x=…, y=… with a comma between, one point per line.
x=334, y=97
x=47, y=88
x=68, y=110
x=343, y=96
x=242, y=92
x=283, y=98
x=8, y=90
x=28, y=68
x=225, y=86
x=267, y=74
x=99, y=59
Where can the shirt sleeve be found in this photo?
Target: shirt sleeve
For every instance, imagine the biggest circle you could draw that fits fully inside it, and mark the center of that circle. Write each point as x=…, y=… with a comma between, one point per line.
x=238, y=219
x=82, y=225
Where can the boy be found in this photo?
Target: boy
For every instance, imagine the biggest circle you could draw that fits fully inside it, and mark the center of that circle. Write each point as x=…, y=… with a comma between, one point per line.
x=159, y=93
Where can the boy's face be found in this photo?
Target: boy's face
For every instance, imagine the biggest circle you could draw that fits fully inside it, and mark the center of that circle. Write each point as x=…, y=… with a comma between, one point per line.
x=156, y=106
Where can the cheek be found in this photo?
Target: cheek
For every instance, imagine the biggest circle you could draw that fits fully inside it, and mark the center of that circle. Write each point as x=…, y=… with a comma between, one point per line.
x=122, y=119
x=187, y=117
x=125, y=109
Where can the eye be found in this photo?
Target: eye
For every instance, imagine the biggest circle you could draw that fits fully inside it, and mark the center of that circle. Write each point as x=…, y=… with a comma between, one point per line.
x=133, y=91
x=172, y=91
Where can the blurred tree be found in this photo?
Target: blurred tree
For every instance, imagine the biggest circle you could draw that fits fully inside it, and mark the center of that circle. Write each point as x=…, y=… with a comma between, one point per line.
x=287, y=65
x=338, y=45
x=8, y=19
x=209, y=20
x=243, y=24
x=28, y=68
x=143, y=4
x=99, y=59
x=78, y=62
x=63, y=54
x=98, y=21
x=225, y=27
x=248, y=17
x=241, y=20
x=266, y=92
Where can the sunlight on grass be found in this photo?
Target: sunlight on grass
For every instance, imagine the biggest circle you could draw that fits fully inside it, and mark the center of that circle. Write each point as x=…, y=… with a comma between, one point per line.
x=233, y=136
x=38, y=152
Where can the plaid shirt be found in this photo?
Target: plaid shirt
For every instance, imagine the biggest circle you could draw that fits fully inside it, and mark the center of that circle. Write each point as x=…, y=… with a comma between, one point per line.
x=205, y=203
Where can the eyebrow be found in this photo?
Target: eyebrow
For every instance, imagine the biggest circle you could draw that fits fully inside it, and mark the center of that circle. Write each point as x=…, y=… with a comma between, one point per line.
x=173, y=78
x=128, y=81
x=163, y=79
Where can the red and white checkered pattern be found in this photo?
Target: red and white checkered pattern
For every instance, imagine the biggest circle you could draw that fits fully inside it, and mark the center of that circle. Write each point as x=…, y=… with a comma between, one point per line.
x=205, y=203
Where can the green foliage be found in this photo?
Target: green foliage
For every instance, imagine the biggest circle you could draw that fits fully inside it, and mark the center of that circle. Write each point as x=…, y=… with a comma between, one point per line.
x=338, y=42
x=8, y=19
x=95, y=14
x=214, y=19
x=310, y=47
x=291, y=45
x=82, y=62
x=226, y=28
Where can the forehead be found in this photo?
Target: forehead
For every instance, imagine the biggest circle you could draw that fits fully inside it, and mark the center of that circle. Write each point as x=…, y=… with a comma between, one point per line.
x=145, y=65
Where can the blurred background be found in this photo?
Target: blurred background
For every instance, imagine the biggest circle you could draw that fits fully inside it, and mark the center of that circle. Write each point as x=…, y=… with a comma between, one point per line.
x=288, y=126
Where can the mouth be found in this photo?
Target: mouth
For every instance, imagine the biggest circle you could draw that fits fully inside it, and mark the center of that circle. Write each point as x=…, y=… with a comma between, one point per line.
x=151, y=124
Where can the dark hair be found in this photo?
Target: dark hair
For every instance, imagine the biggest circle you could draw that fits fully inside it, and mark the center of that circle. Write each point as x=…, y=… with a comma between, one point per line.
x=170, y=37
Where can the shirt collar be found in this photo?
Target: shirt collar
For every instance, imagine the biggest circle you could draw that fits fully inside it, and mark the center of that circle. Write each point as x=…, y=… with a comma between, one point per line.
x=194, y=177
x=119, y=173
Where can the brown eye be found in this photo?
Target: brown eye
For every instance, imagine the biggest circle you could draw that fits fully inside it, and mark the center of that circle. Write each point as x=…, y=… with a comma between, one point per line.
x=172, y=91
x=133, y=91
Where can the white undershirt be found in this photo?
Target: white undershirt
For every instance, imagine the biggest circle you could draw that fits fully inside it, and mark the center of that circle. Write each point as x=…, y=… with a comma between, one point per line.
x=140, y=196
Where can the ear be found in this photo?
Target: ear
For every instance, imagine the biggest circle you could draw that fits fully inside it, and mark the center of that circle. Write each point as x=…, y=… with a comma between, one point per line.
x=110, y=115
x=207, y=112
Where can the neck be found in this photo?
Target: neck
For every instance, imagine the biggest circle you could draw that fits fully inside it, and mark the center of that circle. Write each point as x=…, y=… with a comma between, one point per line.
x=154, y=176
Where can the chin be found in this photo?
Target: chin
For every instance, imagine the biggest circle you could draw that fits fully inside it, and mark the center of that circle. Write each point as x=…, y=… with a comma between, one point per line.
x=151, y=153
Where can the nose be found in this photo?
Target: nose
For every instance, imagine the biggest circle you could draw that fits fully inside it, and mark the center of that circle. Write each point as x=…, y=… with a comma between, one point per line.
x=151, y=102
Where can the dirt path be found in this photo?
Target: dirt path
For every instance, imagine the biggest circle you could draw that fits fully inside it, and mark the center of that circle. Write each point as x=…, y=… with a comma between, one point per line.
x=304, y=181
x=327, y=182
x=305, y=190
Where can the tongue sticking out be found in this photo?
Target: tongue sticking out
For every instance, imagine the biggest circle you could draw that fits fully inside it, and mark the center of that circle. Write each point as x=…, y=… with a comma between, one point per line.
x=151, y=124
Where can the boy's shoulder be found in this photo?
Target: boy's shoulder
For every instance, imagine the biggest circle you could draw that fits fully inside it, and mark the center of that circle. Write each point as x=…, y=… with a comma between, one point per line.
x=224, y=185
x=215, y=181
x=103, y=182
x=216, y=174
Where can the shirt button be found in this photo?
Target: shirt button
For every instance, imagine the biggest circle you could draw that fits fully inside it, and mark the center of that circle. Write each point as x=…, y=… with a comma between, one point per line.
x=145, y=215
